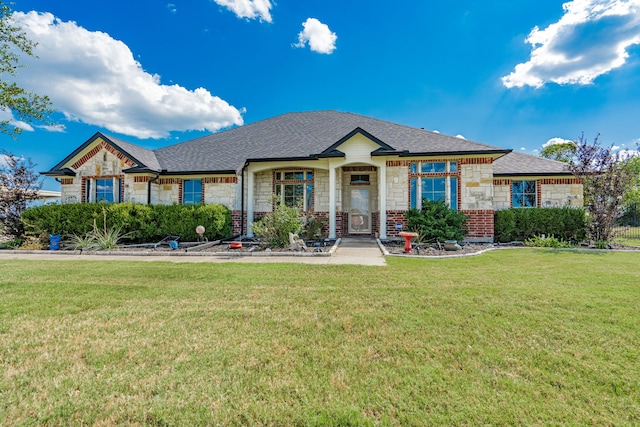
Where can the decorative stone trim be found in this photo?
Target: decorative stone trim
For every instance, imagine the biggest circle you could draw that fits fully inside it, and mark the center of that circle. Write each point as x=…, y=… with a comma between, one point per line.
x=66, y=181
x=163, y=181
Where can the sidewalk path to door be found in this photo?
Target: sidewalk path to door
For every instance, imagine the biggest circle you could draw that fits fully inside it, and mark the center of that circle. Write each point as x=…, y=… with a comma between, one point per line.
x=359, y=251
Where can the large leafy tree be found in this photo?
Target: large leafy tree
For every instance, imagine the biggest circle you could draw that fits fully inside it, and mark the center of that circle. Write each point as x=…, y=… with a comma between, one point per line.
x=561, y=152
x=607, y=177
x=25, y=106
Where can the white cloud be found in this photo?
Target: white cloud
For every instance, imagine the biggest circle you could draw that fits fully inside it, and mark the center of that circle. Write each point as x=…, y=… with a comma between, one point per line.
x=318, y=35
x=250, y=9
x=590, y=39
x=172, y=8
x=6, y=115
x=555, y=141
x=93, y=78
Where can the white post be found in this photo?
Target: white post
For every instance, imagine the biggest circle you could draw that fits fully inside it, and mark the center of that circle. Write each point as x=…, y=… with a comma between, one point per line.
x=382, y=197
x=250, y=203
x=332, y=202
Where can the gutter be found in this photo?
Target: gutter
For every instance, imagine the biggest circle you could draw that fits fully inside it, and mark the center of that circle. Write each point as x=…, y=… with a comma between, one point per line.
x=149, y=187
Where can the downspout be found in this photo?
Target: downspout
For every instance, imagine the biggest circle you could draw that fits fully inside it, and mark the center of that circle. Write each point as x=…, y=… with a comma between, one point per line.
x=149, y=187
x=242, y=198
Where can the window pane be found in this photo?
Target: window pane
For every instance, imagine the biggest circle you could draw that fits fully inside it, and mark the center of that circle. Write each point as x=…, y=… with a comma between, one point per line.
x=435, y=167
x=309, y=196
x=453, y=166
x=529, y=186
x=191, y=191
x=309, y=176
x=413, y=168
x=516, y=200
x=530, y=200
x=433, y=188
x=104, y=190
x=413, y=192
x=453, y=192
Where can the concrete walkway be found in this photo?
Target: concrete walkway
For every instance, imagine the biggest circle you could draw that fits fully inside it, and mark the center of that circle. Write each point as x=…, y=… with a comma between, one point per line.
x=359, y=251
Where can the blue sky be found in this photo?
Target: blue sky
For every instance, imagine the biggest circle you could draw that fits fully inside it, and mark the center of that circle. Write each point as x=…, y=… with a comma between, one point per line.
x=515, y=74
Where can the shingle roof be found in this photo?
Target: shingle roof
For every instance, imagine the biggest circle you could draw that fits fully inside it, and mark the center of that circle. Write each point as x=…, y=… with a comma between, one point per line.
x=302, y=135
x=146, y=157
x=309, y=134
x=526, y=164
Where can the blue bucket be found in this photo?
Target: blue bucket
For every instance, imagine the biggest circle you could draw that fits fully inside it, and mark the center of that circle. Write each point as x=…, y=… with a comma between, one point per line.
x=173, y=245
x=54, y=242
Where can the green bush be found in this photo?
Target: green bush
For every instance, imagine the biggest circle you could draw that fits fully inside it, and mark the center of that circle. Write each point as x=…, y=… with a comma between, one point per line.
x=141, y=223
x=519, y=224
x=436, y=222
x=275, y=226
x=547, y=242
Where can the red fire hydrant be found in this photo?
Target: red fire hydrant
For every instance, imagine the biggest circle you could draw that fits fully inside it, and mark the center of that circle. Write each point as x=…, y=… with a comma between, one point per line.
x=407, y=240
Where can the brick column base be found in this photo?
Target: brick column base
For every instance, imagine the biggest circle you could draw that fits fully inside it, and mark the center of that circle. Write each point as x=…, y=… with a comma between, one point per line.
x=480, y=224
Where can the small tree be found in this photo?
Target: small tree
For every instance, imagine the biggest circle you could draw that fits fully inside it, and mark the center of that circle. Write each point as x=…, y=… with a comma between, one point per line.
x=18, y=185
x=606, y=178
x=275, y=226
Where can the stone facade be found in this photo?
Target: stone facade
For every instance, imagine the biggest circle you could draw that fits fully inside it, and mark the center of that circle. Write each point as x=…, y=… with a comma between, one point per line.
x=479, y=193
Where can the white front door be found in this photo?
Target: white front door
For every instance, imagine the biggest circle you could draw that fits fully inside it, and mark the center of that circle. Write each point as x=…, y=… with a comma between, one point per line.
x=359, y=213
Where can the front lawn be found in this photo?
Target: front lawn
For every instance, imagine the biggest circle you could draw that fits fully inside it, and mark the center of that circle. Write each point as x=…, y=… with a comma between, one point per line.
x=526, y=337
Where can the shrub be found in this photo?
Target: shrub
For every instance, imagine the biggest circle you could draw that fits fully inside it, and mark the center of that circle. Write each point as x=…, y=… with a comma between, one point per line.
x=436, y=222
x=141, y=223
x=547, y=242
x=275, y=226
x=567, y=223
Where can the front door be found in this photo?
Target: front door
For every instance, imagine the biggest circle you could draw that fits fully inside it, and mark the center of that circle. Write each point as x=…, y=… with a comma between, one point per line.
x=359, y=214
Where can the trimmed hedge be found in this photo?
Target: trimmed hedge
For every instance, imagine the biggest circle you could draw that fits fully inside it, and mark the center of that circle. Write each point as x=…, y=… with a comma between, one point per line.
x=146, y=223
x=518, y=224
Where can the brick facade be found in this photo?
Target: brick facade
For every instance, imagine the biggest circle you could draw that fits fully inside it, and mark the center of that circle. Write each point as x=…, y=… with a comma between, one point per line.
x=480, y=224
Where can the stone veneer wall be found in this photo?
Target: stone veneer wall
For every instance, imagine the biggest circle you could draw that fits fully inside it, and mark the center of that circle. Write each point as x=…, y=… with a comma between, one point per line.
x=397, y=188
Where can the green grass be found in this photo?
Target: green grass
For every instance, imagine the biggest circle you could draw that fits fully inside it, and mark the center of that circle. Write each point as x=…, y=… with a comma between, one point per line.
x=525, y=337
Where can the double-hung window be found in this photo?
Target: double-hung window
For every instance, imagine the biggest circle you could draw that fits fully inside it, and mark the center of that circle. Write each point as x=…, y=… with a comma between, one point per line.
x=295, y=188
x=191, y=191
x=523, y=194
x=104, y=190
x=434, y=181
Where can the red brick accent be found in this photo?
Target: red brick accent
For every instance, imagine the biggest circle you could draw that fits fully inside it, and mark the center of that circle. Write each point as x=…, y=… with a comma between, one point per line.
x=480, y=223
x=220, y=180
x=393, y=218
x=359, y=168
x=141, y=178
x=237, y=220
x=538, y=194
x=559, y=181
x=477, y=161
x=164, y=181
x=502, y=182
x=66, y=181
x=95, y=150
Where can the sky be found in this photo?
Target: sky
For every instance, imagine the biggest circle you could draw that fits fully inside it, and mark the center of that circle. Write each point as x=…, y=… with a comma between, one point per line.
x=514, y=74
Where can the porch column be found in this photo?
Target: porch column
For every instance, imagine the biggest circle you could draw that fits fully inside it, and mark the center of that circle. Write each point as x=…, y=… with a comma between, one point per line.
x=250, y=203
x=382, y=197
x=332, y=202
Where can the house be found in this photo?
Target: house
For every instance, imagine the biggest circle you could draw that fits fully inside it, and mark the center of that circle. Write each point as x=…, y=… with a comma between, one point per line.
x=359, y=173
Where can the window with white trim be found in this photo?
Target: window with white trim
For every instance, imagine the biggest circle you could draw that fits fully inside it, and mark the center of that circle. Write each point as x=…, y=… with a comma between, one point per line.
x=523, y=194
x=434, y=181
x=191, y=191
x=103, y=190
x=295, y=188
